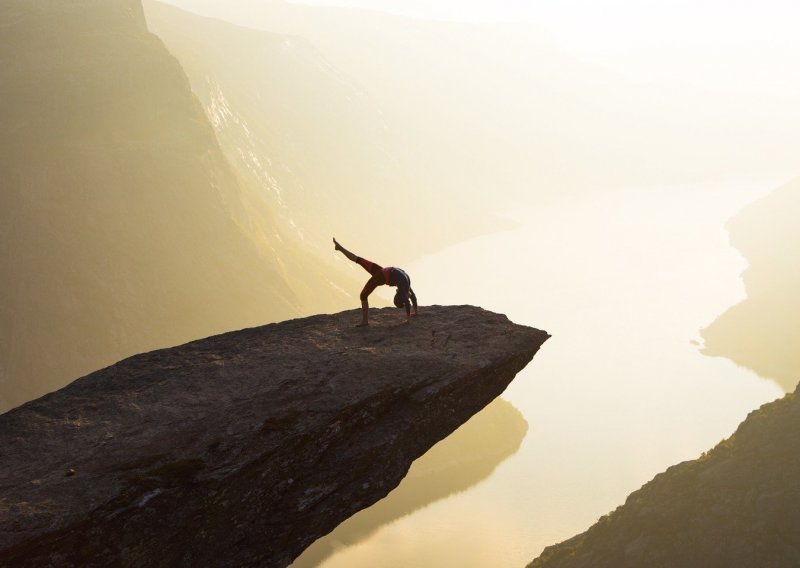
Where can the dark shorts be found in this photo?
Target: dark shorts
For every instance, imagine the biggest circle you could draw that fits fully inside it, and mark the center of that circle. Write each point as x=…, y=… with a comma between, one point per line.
x=397, y=277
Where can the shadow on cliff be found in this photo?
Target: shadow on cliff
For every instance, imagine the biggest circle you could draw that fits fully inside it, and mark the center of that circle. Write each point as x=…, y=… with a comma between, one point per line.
x=457, y=463
x=763, y=331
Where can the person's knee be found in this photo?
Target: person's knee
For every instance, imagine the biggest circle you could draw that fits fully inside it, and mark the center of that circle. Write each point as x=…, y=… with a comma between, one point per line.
x=364, y=295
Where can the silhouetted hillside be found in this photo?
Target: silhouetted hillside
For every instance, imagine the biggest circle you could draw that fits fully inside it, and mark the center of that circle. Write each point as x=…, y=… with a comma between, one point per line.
x=122, y=226
x=736, y=506
x=763, y=331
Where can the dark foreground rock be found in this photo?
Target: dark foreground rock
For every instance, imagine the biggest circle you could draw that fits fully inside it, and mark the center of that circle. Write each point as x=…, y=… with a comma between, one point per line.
x=736, y=506
x=242, y=449
x=465, y=458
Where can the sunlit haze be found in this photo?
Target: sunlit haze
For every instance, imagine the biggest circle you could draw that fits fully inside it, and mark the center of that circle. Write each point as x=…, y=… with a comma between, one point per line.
x=620, y=26
x=736, y=46
x=621, y=174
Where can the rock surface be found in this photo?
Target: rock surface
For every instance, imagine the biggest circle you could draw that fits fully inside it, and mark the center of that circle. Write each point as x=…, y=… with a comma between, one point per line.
x=464, y=459
x=736, y=506
x=243, y=448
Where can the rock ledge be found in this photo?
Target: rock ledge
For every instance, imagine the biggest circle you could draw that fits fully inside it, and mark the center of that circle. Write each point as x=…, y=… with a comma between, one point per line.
x=243, y=448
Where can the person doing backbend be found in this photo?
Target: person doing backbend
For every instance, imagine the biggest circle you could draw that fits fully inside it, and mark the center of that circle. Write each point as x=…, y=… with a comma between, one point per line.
x=390, y=276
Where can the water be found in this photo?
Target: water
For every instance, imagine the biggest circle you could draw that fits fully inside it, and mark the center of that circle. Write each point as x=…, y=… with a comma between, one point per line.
x=623, y=281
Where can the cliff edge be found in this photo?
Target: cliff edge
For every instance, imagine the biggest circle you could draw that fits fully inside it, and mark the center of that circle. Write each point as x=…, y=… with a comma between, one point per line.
x=243, y=448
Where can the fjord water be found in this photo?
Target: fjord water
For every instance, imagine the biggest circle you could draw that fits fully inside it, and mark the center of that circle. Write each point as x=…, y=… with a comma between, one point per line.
x=623, y=281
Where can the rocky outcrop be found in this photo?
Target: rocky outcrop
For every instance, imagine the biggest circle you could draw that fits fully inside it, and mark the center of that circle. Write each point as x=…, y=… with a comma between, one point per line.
x=736, y=506
x=243, y=448
x=462, y=460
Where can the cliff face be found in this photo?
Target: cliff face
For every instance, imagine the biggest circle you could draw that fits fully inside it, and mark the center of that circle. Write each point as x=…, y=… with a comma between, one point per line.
x=763, y=331
x=122, y=226
x=242, y=449
x=738, y=505
x=462, y=460
x=315, y=140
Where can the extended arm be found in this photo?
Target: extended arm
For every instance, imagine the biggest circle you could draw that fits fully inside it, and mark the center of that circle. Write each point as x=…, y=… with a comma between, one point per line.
x=413, y=297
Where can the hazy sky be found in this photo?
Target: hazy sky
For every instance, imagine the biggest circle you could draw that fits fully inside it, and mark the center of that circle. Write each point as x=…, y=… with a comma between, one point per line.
x=726, y=45
x=618, y=24
x=606, y=27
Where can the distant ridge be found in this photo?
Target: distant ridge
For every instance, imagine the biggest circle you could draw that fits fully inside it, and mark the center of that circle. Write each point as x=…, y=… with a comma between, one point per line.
x=762, y=332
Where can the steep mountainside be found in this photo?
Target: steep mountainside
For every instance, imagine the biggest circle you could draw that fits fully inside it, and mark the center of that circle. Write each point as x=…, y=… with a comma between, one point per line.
x=736, y=506
x=491, y=115
x=317, y=141
x=122, y=226
x=242, y=449
x=763, y=331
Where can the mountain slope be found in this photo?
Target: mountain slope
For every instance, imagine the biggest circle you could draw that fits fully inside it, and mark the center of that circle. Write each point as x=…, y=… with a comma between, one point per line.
x=317, y=141
x=736, y=506
x=495, y=115
x=122, y=226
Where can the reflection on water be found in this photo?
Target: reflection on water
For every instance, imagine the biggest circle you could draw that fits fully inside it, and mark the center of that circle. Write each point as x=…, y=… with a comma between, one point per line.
x=763, y=331
x=455, y=464
x=623, y=282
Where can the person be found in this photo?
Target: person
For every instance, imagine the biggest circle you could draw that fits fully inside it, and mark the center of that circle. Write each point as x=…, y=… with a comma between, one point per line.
x=390, y=276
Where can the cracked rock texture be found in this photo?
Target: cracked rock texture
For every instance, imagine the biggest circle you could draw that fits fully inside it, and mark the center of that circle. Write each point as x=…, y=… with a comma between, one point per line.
x=243, y=448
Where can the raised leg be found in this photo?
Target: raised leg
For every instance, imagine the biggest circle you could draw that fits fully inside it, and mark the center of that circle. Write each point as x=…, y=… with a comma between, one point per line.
x=367, y=265
x=344, y=251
